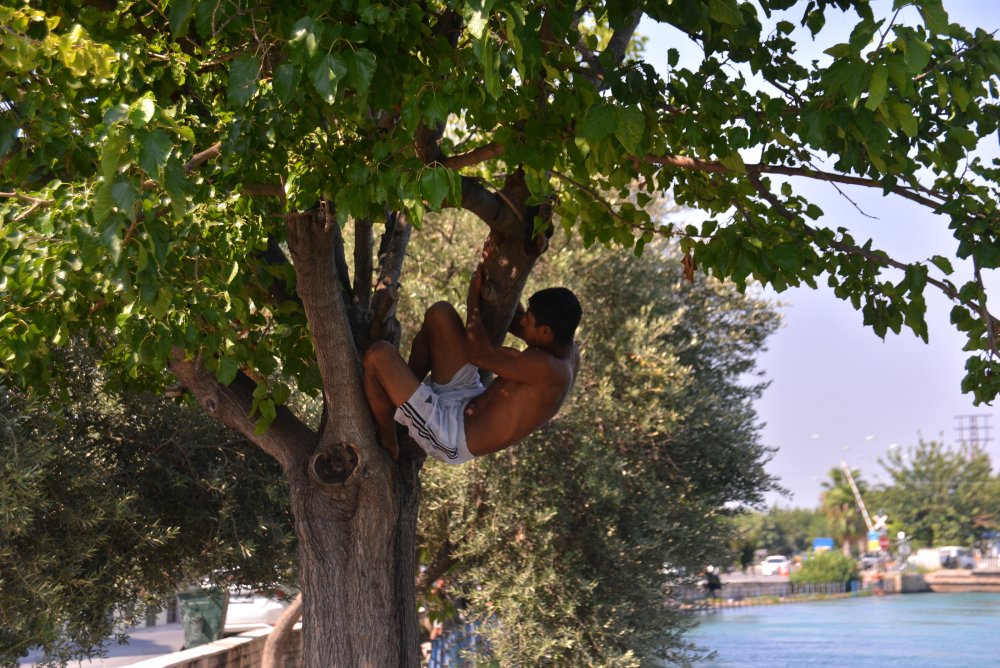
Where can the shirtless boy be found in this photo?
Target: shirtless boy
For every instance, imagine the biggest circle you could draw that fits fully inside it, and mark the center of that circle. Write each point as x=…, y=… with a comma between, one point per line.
x=455, y=418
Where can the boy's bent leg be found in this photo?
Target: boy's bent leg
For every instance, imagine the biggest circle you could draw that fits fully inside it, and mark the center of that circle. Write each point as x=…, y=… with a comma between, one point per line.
x=388, y=383
x=439, y=346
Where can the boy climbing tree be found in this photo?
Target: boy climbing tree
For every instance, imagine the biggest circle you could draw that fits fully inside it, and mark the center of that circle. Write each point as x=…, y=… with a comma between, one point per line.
x=454, y=417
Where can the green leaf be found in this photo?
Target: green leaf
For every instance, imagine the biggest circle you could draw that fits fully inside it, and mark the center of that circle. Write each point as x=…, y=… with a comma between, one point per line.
x=916, y=53
x=725, y=11
x=112, y=241
x=228, y=368
x=243, y=76
x=113, y=154
x=490, y=62
x=267, y=414
x=631, y=128
x=904, y=114
x=477, y=18
x=943, y=264
x=142, y=112
x=285, y=82
x=361, y=67
x=326, y=76
x=600, y=122
x=125, y=197
x=155, y=150
x=280, y=393
x=734, y=162
x=304, y=36
x=960, y=95
x=435, y=184
x=878, y=88
x=180, y=16
x=935, y=16
x=862, y=34
x=104, y=203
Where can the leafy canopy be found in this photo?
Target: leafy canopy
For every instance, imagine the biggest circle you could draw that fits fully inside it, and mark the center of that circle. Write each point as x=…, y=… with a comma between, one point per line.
x=148, y=148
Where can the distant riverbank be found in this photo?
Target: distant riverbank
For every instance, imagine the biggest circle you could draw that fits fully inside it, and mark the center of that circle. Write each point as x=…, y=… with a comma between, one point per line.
x=913, y=631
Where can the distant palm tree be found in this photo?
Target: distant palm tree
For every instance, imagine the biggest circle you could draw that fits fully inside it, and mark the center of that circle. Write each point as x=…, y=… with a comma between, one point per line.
x=843, y=516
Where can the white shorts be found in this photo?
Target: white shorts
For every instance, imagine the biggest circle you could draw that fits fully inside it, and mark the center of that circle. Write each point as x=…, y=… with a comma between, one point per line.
x=435, y=415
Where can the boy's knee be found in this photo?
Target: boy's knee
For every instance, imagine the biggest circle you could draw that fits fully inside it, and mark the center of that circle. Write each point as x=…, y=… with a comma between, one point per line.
x=376, y=354
x=440, y=312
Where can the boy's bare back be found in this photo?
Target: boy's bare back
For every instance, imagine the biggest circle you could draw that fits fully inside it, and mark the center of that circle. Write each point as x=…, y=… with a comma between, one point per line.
x=509, y=410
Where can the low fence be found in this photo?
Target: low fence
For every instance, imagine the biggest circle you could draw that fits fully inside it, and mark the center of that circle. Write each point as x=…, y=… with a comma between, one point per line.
x=733, y=594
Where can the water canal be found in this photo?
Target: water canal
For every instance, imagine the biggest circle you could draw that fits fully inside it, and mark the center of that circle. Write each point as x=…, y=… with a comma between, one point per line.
x=911, y=631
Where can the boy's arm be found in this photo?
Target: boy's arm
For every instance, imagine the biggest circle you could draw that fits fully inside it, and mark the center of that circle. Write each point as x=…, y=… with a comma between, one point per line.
x=515, y=325
x=529, y=366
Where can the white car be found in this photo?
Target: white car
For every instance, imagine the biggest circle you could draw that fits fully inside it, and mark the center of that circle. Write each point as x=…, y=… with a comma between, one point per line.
x=774, y=565
x=253, y=609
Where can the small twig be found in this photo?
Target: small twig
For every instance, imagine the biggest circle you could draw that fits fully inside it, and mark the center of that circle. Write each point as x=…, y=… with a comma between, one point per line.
x=878, y=258
x=958, y=53
x=885, y=33
x=988, y=319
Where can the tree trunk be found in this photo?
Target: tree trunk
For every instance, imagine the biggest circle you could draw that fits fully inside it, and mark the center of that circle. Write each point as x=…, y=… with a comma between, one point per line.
x=356, y=523
x=355, y=509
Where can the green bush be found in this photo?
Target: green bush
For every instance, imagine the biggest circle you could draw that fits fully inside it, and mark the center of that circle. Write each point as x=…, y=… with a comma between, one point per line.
x=826, y=567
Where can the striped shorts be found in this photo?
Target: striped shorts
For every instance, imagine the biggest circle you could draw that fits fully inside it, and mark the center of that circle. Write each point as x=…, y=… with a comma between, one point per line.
x=434, y=415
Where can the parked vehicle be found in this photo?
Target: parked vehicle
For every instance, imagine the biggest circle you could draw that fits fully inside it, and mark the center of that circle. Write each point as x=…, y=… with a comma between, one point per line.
x=949, y=556
x=954, y=556
x=869, y=560
x=254, y=609
x=775, y=565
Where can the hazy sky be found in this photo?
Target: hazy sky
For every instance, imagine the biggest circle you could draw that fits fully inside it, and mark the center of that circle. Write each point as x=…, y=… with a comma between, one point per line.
x=837, y=391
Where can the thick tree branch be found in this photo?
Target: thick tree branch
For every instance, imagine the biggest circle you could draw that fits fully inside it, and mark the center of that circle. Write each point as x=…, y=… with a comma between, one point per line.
x=312, y=239
x=391, y=254
x=614, y=52
x=478, y=199
x=287, y=439
x=441, y=564
x=618, y=44
x=473, y=157
x=364, y=244
x=274, y=647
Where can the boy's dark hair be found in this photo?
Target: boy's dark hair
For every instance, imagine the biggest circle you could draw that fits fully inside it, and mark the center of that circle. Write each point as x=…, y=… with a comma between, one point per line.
x=559, y=309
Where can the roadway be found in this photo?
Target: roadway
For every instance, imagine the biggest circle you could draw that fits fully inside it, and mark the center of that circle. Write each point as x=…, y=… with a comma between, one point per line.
x=143, y=643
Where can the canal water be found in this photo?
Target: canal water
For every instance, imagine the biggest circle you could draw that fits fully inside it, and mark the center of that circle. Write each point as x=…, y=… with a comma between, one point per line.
x=911, y=631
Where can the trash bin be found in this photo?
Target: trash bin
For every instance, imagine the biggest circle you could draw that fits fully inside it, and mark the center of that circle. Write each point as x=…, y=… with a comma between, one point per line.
x=203, y=614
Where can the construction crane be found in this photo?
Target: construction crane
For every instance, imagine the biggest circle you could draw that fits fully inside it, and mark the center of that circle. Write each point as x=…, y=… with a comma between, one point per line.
x=857, y=495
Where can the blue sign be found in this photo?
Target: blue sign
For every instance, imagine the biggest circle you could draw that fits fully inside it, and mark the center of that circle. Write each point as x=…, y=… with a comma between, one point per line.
x=820, y=544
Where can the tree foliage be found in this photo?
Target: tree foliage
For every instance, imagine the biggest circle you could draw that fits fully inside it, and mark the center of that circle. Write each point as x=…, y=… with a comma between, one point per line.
x=560, y=544
x=168, y=124
x=111, y=502
x=844, y=517
x=940, y=495
x=786, y=531
x=828, y=566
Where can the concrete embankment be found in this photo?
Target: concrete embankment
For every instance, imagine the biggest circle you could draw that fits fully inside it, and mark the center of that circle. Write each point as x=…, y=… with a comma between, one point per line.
x=963, y=580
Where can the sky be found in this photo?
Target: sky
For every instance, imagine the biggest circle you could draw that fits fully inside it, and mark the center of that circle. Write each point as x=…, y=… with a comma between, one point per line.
x=837, y=391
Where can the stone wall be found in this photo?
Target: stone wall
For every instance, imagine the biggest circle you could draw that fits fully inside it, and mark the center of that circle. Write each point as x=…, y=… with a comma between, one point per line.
x=242, y=651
